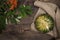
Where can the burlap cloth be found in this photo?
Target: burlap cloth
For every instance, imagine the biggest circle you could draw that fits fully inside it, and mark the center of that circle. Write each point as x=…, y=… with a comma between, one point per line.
x=53, y=10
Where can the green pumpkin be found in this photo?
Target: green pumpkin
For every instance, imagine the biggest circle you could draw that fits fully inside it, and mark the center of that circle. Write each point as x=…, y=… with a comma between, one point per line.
x=44, y=23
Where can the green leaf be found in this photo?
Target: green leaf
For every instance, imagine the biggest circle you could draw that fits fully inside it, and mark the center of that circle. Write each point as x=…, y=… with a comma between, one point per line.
x=28, y=10
x=28, y=7
x=9, y=13
x=12, y=20
x=2, y=23
x=25, y=10
x=22, y=11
